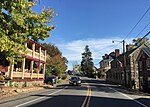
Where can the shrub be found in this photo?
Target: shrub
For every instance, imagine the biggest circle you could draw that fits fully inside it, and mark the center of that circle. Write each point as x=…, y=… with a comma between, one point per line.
x=63, y=76
x=16, y=85
x=24, y=84
x=10, y=83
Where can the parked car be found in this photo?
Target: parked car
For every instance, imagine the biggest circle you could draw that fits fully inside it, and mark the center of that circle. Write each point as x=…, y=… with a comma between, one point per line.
x=75, y=81
x=50, y=80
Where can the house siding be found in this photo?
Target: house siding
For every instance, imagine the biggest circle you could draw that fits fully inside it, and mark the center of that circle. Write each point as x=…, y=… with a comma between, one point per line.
x=144, y=73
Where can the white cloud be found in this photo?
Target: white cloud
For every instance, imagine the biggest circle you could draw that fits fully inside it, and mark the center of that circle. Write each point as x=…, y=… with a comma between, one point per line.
x=73, y=50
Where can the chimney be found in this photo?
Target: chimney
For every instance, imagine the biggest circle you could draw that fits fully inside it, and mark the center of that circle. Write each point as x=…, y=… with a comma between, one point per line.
x=106, y=56
x=103, y=57
x=117, y=52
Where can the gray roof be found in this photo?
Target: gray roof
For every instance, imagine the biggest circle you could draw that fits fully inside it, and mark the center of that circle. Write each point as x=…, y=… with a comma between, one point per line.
x=147, y=51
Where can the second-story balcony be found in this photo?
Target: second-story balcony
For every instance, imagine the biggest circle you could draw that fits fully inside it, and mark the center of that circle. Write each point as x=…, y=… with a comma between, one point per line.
x=36, y=51
x=36, y=55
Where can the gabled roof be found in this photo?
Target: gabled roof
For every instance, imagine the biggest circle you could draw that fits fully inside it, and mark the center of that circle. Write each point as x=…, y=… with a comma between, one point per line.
x=147, y=51
x=109, y=58
x=120, y=57
x=143, y=45
x=131, y=52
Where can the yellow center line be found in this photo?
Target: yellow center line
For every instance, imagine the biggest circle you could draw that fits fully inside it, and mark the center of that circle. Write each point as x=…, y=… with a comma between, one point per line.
x=85, y=98
x=88, y=95
x=88, y=102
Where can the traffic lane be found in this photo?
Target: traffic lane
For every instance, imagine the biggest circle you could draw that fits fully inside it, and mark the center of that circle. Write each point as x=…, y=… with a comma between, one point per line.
x=104, y=94
x=61, y=101
x=72, y=96
x=112, y=102
x=25, y=97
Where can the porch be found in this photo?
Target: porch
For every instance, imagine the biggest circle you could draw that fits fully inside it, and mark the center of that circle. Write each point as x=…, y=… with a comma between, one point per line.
x=27, y=69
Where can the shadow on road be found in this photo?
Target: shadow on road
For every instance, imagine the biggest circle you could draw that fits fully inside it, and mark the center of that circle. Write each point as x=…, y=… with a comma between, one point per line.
x=102, y=86
x=77, y=101
x=95, y=85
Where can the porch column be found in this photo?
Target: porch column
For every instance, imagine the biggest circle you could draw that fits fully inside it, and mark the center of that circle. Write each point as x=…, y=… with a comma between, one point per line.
x=33, y=50
x=39, y=66
x=40, y=53
x=44, y=70
x=38, y=72
x=31, y=68
x=11, y=71
x=23, y=67
x=45, y=55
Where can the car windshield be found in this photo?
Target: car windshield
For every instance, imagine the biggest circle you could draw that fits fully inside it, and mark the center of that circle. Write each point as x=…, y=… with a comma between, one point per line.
x=74, y=78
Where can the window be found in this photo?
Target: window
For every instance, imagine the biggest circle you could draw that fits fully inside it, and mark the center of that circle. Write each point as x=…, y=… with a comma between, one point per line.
x=140, y=65
x=148, y=82
x=148, y=63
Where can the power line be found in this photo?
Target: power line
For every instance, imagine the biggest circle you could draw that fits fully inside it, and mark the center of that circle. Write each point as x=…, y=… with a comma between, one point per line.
x=136, y=26
x=144, y=36
x=137, y=23
x=142, y=30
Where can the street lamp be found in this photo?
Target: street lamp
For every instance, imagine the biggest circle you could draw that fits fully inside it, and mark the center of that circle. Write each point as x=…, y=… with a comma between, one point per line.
x=124, y=61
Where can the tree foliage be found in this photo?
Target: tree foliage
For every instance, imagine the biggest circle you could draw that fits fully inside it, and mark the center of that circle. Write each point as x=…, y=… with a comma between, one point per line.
x=102, y=73
x=87, y=64
x=56, y=63
x=77, y=68
x=18, y=23
x=140, y=41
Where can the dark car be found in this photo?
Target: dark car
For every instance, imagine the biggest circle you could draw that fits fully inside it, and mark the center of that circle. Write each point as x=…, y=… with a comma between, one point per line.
x=75, y=81
x=50, y=80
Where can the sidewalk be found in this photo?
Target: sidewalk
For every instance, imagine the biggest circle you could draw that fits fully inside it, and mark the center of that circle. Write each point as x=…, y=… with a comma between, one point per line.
x=132, y=91
x=123, y=89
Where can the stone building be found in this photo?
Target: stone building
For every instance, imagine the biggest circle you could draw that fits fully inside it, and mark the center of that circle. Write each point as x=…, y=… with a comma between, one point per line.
x=116, y=73
x=144, y=69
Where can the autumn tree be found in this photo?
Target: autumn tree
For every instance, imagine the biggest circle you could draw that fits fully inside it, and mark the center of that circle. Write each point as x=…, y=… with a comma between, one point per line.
x=56, y=63
x=87, y=64
x=18, y=23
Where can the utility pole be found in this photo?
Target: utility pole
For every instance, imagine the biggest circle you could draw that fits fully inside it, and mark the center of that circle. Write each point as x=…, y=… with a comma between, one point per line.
x=124, y=64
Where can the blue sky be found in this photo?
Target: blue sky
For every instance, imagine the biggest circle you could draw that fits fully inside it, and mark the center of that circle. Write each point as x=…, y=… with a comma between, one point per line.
x=95, y=23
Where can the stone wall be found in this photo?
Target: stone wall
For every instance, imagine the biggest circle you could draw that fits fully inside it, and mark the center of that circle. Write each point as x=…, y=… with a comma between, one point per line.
x=20, y=83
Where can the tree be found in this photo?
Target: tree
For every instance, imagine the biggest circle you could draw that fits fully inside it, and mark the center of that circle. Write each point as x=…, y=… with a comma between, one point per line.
x=140, y=41
x=102, y=73
x=86, y=64
x=18, y=23
x=77, y=68
x=55, y=62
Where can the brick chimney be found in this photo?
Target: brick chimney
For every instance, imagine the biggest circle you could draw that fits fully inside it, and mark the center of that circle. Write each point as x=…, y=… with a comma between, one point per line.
x=117, y=53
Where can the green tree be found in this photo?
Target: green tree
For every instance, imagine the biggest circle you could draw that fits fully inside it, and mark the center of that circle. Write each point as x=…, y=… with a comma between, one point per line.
x=77, y=68
x=18, y=23
x=140, y=41
x=56, y=63
x=102, y=73
x=87, y=64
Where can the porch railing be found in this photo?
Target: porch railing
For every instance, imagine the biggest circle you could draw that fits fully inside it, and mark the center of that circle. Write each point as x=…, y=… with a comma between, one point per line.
x=17, y=74
x=36, y=54
x=27, y=75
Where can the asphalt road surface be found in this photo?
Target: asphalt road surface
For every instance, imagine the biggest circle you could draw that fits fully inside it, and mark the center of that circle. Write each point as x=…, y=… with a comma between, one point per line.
x=92, y=93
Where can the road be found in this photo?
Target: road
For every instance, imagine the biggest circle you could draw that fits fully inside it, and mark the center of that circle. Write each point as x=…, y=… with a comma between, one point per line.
x=92, y=93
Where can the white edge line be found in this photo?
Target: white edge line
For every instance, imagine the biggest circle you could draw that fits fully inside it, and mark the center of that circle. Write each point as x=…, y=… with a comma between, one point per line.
x=40, y=98
x=129, y=97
